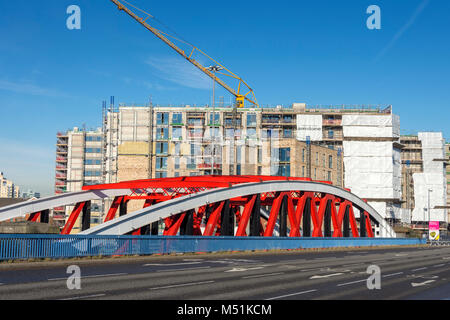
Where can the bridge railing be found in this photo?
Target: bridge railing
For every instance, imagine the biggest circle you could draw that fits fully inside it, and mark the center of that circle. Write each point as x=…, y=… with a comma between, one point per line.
x=19, y=246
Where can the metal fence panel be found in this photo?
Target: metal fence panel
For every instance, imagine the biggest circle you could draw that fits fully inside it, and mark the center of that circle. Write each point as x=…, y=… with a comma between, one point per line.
x=13, y=247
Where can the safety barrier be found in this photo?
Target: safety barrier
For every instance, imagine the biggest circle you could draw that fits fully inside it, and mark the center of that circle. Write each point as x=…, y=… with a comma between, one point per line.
x=19, y=246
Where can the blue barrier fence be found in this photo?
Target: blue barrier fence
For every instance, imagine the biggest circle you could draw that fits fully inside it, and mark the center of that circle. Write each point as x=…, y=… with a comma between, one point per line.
x=19, y=246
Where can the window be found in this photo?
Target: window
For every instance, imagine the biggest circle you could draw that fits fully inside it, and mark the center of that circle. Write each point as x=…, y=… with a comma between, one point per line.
x=287, y=133
x=93, y=150
x=330, y=161
x=176, y=133
x=190, y=163
x=251, y=132
x=259, y=170
x=177, y=148
x=284, y=154
x=177, y=118
x=161, y=174
x=93, y=138
x=161, y=163
x=323, y=158
x=284, y=170
x=251, y=120
x=91, y=173
x=259, y=155
x=177, y=163
x=216, y=120
x=162, y=133
x=92, y=162
x=317, y=158
x=161, y=148
x=303, y=155
x=162, y=118
x=303, y=171
x=329, y=176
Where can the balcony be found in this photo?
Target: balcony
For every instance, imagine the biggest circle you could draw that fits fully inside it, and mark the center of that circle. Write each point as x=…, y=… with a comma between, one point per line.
x=332, y=122
x=208, y=166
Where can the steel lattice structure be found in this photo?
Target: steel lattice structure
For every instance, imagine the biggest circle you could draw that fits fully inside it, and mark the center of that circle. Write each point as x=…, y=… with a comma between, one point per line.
x=217, y=205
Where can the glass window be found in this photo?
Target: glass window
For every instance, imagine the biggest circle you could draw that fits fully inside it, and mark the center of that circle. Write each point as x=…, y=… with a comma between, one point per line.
x=216, y=118
x=251, y=132
x=162, y=133
x=177, y=118
x=284, y=154
x=162, y=118
x=161, y=148
x=161, y=163
x=251, y=120
x=287, y=133
x=176, y=133
x=330, y=161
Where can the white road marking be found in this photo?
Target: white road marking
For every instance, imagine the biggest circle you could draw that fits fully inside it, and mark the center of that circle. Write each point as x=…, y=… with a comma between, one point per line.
x=262, y=275
x=91, y=276
x=392, y=274
x=401, y=254
x=291, y=294
x=182, y=285
x=183, y=269
x=170, y=264
x=414, y=284
x=192, y=260
x=445, y=258
x=439, y=265
x=85, y=297
x=352, y=282
x=326, y=275
x=243, y=269
x=419, y=269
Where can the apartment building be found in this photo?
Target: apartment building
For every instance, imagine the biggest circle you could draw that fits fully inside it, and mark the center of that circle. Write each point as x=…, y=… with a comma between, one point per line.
x=7, y=188
x=79, y=156
x=161, y=142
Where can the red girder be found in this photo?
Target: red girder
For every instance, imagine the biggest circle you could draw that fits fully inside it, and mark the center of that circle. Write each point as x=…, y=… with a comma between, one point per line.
x=73, y=218
x=164, y=189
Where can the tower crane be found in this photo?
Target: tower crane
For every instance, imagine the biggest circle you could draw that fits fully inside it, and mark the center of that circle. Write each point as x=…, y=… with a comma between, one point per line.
x=243, y=91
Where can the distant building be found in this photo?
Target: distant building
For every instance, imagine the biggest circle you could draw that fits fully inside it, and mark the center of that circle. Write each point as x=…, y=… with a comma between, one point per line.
x=7, y=188
x=31, y=194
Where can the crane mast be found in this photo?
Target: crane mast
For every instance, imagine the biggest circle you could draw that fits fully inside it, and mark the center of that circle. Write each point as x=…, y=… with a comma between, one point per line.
x=239, y=94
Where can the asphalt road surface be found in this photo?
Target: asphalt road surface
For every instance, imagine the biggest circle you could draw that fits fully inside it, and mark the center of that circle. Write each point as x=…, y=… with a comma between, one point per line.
x=405, y=273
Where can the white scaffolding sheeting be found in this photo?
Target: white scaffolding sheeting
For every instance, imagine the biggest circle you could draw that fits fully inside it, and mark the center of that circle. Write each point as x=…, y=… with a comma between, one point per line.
x=309, y=125
x=382, y=126
x=432, y=178
x=373, y=168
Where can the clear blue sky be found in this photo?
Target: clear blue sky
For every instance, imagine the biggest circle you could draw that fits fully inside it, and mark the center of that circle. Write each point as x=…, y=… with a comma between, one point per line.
x=318, y=52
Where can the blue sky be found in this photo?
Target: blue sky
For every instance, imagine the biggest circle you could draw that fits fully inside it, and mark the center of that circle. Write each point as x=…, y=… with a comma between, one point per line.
x=318, y=52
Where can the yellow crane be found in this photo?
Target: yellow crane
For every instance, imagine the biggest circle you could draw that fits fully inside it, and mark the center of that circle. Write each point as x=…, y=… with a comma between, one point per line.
x=243, y=91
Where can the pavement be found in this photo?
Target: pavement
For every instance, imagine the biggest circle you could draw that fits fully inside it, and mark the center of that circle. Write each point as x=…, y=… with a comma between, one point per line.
x=420, y=272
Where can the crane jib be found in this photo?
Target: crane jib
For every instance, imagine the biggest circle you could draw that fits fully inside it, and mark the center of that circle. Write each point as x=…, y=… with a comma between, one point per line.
x=239, y=97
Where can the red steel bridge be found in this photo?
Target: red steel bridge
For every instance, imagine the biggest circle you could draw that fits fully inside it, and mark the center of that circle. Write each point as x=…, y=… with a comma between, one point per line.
x=217, y=205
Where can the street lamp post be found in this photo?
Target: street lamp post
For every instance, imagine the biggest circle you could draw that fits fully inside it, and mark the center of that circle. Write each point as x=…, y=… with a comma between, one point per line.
x=213, y=69
x=429, y=191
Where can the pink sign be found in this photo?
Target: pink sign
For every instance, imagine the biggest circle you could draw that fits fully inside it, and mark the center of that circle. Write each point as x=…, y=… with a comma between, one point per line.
x=434, y=225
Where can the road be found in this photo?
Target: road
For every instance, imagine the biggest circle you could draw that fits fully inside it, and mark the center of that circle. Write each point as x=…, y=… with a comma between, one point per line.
x=406, y=273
